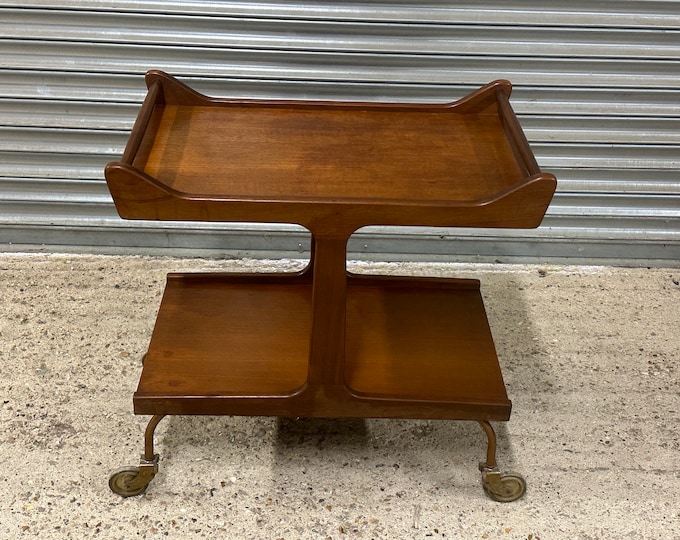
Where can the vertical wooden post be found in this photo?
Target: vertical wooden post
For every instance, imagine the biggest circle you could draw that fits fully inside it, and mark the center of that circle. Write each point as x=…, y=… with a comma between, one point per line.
x=327, y=347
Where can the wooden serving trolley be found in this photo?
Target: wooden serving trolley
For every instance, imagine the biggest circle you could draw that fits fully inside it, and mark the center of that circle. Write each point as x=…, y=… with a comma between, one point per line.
x=324, y=342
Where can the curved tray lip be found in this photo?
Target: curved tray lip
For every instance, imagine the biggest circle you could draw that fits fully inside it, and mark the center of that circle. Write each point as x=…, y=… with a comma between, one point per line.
x=182, y=94
x=539, y=178
x=138, y=196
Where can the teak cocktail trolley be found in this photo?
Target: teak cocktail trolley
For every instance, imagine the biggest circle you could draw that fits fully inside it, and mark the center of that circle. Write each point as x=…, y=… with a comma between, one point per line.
x=324, y=342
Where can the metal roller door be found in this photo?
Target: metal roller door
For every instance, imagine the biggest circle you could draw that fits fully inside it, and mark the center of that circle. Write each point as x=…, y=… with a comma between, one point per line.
x=596, y=86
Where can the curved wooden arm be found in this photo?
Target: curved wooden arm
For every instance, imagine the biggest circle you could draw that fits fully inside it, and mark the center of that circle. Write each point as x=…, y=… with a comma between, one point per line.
x=153, y=97
x=480, y=99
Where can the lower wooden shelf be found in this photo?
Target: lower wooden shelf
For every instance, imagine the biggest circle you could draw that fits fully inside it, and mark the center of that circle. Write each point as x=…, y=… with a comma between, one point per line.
x=421, y=341
x=224, y=336
x=240, y=345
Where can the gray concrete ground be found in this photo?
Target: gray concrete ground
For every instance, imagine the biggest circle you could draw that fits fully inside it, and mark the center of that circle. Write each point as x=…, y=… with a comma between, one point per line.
x=590, y=357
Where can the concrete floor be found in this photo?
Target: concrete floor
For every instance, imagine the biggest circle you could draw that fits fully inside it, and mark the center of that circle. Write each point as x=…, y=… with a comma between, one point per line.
x=590, y=357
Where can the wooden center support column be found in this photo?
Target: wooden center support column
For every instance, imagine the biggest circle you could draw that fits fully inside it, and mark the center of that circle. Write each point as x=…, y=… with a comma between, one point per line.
x=327, y=344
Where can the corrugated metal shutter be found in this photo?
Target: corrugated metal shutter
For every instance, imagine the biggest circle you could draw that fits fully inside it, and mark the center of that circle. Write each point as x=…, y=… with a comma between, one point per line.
x=596, y=89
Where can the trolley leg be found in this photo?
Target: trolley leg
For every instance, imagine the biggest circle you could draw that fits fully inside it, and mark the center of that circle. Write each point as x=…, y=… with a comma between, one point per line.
x=500, y=487
x=131, y=481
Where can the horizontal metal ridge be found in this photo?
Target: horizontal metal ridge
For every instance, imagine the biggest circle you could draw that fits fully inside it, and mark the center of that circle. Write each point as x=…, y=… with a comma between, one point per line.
x=364, y=67
x=330, y=35
x=102, y=88
x=605, y=13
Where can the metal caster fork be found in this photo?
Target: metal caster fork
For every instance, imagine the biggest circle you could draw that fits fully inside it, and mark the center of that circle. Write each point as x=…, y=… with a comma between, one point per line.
x=132, y=481
x=498, y=486
x=501, y=487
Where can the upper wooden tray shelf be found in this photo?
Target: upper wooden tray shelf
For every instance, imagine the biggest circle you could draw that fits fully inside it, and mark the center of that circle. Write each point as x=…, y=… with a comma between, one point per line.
x=329, y=165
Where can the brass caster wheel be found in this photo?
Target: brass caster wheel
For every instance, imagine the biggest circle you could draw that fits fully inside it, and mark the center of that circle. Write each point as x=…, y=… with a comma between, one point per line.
x=501, y=487
x=124, y=482
x=133, y=481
